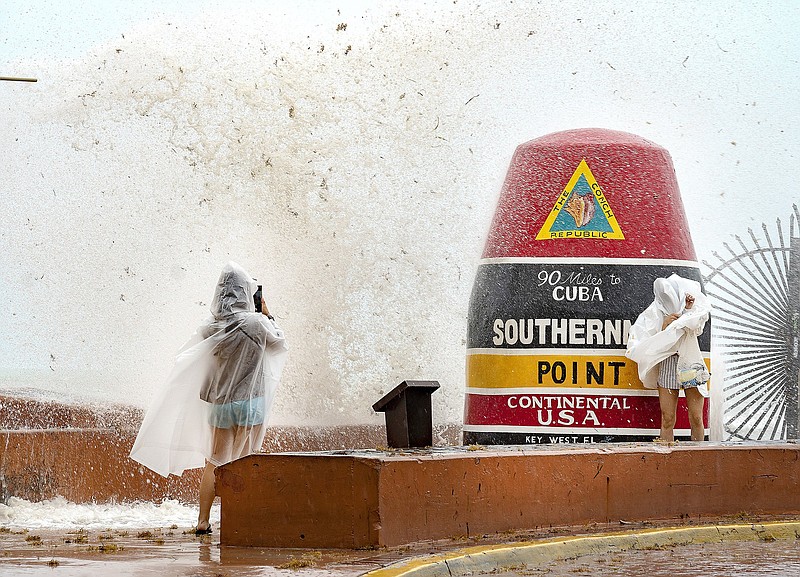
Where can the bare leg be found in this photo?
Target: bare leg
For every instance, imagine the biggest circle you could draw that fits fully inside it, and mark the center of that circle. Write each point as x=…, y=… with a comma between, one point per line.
x=668, y=399
x=242, y=441
x=222, y=439
x=207, y=494
x=694, y=402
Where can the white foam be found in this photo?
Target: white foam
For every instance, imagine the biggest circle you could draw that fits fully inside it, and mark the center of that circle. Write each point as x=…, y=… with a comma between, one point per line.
x=59, y=513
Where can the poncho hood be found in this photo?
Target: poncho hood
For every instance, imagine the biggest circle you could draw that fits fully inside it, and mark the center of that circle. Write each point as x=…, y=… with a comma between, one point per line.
x=234, y=292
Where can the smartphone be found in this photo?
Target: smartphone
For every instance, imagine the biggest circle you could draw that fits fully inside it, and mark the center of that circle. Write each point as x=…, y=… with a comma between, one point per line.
x=257, y=299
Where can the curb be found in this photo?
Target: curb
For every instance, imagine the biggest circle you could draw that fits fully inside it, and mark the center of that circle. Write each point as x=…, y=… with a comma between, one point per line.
x=503, y=557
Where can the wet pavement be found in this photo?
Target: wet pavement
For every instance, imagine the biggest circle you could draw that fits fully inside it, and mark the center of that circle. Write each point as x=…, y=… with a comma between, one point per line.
x=169, y=551
x=730, y=559
x=176, y=551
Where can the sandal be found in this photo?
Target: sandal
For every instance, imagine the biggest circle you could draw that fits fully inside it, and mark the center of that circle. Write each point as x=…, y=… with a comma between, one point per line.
x=206, y=531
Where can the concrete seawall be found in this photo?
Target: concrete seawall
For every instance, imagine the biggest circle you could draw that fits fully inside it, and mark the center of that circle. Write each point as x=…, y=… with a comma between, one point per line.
x=49, y=449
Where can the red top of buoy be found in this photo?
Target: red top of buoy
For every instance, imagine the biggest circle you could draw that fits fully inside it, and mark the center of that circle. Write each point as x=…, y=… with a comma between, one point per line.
x=590, y=193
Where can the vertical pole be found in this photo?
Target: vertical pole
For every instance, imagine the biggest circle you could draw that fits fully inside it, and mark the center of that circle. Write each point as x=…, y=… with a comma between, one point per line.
x=793, y=368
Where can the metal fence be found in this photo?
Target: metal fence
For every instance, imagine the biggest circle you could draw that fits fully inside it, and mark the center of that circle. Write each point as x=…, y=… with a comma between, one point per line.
x=755, y=289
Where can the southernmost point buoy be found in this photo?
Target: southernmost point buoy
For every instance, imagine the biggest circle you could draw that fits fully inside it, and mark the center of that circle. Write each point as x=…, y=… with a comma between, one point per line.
x=587, y=220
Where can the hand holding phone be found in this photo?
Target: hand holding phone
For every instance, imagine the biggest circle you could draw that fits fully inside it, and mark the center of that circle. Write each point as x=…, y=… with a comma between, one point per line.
x=258, y=299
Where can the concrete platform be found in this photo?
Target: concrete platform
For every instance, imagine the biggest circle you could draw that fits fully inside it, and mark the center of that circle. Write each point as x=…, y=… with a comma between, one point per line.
x=373, y=499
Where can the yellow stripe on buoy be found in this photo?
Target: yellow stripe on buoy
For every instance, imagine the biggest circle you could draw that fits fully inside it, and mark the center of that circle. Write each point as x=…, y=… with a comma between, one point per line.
x=486, y=371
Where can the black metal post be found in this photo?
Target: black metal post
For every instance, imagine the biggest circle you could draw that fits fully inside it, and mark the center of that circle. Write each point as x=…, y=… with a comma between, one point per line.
x=408, y=414
x=793, y=342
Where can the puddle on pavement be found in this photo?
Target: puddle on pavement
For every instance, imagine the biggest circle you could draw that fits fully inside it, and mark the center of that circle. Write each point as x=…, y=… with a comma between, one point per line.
x=176, y=551
x=163, y=551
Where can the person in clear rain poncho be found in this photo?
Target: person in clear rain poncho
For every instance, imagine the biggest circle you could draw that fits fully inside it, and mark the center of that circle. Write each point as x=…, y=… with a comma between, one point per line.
x=215, y=404
x=663, y=342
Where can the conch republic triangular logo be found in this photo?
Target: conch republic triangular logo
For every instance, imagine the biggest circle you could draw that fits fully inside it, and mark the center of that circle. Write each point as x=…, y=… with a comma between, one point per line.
x=581, y=211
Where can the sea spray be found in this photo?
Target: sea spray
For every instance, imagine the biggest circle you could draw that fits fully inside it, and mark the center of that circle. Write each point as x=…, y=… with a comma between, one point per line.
x=351, y=157
x=160, y=155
